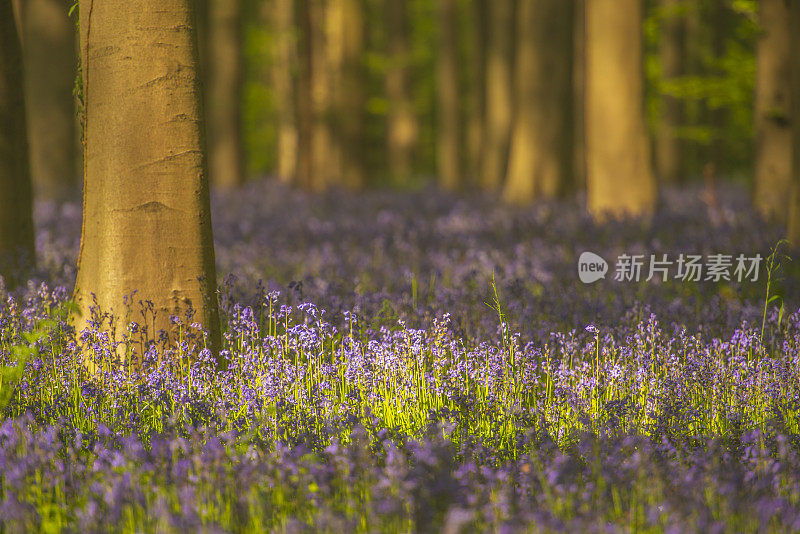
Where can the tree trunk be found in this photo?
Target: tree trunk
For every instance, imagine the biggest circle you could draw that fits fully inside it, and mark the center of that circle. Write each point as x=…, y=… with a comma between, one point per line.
x=448, y=153
x=579, y=96
x=146, y=217
x=499, y=92
x=48, y=37
x=324, y=162
x=540, y=158
x=793, y=233
x=619, y=174
x=773, y=151
x=283, y=61
x=669, y=157
x=223, y=105
x=402, y=124
x=305, y=113
x=476, y=117
x=350, y=91
x=16, y=220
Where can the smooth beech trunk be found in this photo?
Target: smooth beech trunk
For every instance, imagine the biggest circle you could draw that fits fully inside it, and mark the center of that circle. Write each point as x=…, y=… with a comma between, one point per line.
x=619, y=177
x=48, y=37
x=772, y=114
x=350, y=92
x=402, y=129
x=499, y=93
x=793, y=233
x=540, y=157
x=146, y=217
x=16, y=221
x=284, y=58
x=448, y=130
x=224, y=93
x=668, y=146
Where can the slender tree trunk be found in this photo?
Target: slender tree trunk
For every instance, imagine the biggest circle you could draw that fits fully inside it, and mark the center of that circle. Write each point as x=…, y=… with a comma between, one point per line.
x=579, y=96
x=669, y=157
x=284, y=59
x=325, y=169
x=146, y=217
x=448, y=130
x=305, y=113
x=16, y=220
x=619, y=177
x=793, y=233
x=540, y=159
x=499, y=92
x=402, y=124
x=476, y=118
x=224, y=97
x=773, y=157
x=351, y=94
x=48, y=37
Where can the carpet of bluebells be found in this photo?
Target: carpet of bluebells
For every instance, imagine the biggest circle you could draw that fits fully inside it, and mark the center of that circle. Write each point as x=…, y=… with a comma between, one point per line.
x=416, y=362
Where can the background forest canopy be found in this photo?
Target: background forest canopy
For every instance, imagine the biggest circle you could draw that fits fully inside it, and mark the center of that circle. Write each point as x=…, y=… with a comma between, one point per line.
x=714, y=84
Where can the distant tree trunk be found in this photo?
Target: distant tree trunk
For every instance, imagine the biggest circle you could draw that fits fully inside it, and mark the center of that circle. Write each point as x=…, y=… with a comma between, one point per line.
x=476, y=117
x=16, y=220
x=619, y=174
x=226, y=153
x=48, y=37
x=793, y=233
x=402, y=123
x=146, y=217
x=669, y=157
x=579, y=96
x=499, y=92
x=773, y=154
x=283, y=61
x=448, y=129
x=325, y=168
x=720, y=22
x=540, y=158
x=351, y=94
x=305, y=113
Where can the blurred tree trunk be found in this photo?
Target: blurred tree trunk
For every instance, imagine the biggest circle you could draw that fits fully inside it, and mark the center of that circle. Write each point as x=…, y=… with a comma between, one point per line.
x=282, y=74
x=476, y=117
x=402, y=123
x=146, y=217
x=720, y=22
x=305, y=112
x=773, y=154
x=224, y=97
x=668, y=156
x=540, y=157
x=499, y=92
x=619, y=177
x=324, y=164
x=448, y=129
x=16, y=220
x=579, y=96
x=793, y=233
x=48, y=37
x=350, y=92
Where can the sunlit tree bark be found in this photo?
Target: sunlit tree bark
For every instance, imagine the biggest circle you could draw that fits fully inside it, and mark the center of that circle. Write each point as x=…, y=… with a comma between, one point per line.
x=448, y=129
x=540, y=157
x=773, y=150
x=16, y=221
x=48, y=37
x=668, y=153
x=402, y=128
x=499, y=92
x=146, y=217
x=619, y=177
x=284, y=60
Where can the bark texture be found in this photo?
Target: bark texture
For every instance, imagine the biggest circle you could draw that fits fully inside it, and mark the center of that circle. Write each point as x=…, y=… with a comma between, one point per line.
x=540, y=158
x=224, y=97
x=16, y=221
x=619, y=177
x=146, y=217
x=48, y=37
x=284, y=59
x=402, y=129
x=499, y=92
x=773, y=151
x=668, y=156
x=448, y=131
